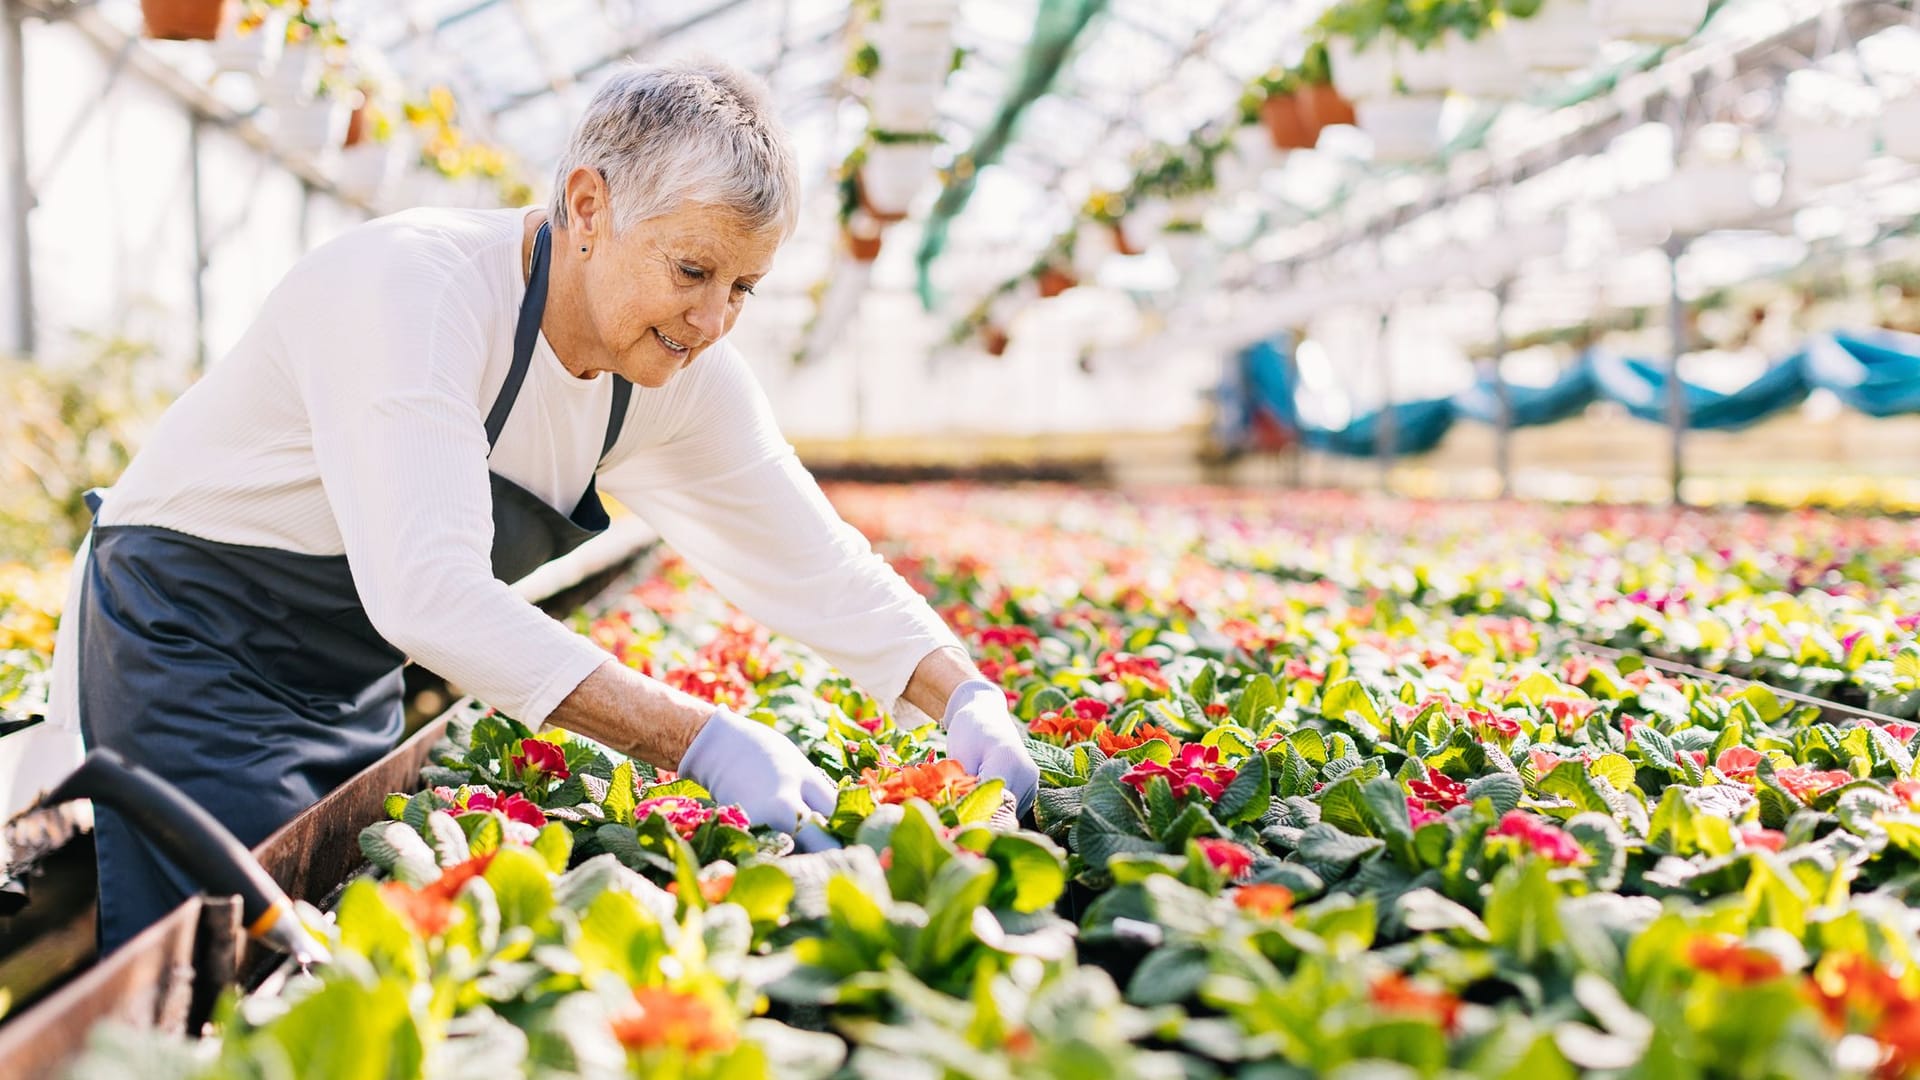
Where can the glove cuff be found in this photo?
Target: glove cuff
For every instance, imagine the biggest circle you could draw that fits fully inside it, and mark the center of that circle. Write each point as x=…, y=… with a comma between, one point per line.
x=967, y=692
x=712, y=746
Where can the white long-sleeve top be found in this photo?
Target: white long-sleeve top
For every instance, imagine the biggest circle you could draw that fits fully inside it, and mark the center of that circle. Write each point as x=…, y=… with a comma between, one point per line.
x=349, y=420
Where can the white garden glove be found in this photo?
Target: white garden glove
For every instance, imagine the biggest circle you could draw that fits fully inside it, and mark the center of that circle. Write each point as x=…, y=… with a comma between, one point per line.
x=754, y=767
x=983, y=738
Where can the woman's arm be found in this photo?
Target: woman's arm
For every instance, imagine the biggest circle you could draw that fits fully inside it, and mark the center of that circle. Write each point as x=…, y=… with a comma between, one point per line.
x=934, y=680
x=642, y=718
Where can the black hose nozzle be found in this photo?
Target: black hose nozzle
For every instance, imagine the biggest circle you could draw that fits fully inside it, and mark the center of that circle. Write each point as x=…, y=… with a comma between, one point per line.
x=186, y=833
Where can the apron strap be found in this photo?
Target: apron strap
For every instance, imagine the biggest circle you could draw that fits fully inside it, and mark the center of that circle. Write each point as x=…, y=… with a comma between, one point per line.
x=525, y=333
x=622, y=394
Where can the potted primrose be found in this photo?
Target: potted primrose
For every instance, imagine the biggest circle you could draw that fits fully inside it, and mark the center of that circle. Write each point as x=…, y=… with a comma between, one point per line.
x=251, y=39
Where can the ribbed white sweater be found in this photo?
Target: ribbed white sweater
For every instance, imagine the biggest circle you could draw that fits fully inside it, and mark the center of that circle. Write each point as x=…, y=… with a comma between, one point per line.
x=350, y=419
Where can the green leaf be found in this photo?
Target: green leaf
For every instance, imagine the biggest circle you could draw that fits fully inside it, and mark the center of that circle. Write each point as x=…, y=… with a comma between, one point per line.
x=1169, y=976
x=484, y=832
x=764, y=890
x=980, y=804
x=520, y=882
x=1343, y=807
x=1346, y=698
x=1201, y=688
x=1310, y=744
x=1503, y=789
x=385, y=1040
x=682, y=786
x=851, y=807
x=960, y=891
x=1617, y=770
x=1257, y=698
x=1534, y=689
x=395, y=847
x=555, y=845
x=1033, y=871
x=620, y=800
x=856, y=917
x=1246, y=798
x=1329, y=852
x=448, y=839
x=917, y=852
x=1522, y=912
x=1162, y=807
x=1570, y=780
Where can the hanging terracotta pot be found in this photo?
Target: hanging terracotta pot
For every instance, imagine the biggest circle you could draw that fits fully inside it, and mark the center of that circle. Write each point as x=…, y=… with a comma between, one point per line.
x=994, y=340
x=356, y=125
x=183, y=20
x=862, y=245
x=1323, y=107
x=1287, y=125
x=1052, y=281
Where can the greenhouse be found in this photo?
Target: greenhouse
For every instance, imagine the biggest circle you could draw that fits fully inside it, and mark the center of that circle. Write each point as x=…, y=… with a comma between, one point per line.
x=959, y=539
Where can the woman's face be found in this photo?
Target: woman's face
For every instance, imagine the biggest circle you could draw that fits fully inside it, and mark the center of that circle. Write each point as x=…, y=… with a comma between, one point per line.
x=660, y=293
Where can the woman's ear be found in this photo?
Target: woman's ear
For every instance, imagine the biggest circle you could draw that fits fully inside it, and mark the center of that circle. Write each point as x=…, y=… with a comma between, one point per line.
x=587, y=207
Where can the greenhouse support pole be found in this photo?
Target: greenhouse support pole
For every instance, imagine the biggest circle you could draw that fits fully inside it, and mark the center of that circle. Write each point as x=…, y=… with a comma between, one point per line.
x=1502, y=397
x=1386, y=437
x=198, y=215
x=13, y=130
x=1676, y=391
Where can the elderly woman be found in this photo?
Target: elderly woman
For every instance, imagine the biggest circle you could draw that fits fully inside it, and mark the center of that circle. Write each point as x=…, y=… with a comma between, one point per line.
x=426, y=409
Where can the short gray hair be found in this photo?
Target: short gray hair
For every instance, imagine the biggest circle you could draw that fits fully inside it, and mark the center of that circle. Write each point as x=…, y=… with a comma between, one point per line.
x=695, y=130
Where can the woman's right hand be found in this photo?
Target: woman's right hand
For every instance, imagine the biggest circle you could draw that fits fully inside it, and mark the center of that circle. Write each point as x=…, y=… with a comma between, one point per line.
x=754, y=767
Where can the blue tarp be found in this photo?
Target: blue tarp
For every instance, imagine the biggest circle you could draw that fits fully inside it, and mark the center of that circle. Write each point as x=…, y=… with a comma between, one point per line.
x=1876, y=372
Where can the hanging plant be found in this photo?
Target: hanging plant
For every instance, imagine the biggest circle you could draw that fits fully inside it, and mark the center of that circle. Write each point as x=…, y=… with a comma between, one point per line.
x=183, y=20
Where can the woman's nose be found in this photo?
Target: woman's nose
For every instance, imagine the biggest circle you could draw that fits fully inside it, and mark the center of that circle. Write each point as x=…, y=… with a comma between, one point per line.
x=709, y=314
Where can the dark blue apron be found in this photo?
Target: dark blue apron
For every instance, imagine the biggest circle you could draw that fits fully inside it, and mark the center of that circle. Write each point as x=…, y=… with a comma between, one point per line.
x=251, y=677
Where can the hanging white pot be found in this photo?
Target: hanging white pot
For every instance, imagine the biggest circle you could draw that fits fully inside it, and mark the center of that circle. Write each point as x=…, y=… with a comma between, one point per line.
x=1654, y=22
x=1185, y=248
x=311, y=129
x=1715, y=195
x=903, y=105
x=294, y=79
x=1537, y=239
x=1403, y=129
x=1422, y=71
x=893, y=173
x=1824, y=152
x=1093, y=245
x=1900, y=127
x=1361, y=75
x=1641, y=217
x=1480, y=68
x=917, y=53
x=919, y=12
x=251, y=53
x=1561, y=36
x=1253, y=150
x=368, y=169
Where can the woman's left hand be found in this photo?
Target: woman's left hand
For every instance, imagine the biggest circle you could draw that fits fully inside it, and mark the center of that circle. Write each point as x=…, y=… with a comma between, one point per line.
x=983, y=737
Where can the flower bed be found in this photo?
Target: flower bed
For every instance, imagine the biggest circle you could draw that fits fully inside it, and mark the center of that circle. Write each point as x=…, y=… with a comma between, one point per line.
x=1285, y=826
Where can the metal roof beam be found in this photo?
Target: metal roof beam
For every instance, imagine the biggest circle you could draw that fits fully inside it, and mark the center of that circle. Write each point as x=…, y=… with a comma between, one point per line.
x=627, y=48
